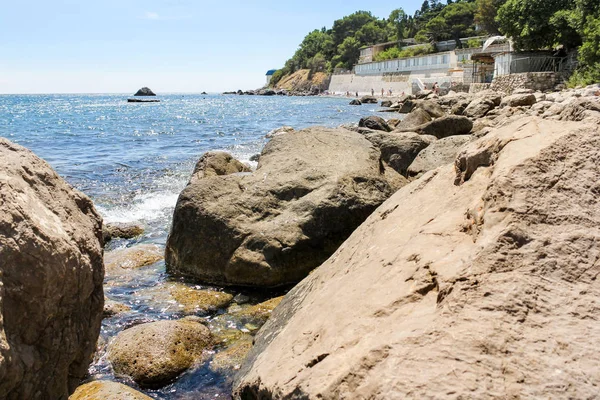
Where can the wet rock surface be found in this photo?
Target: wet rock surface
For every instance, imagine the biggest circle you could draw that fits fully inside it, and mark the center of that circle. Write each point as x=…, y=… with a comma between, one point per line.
x=107, y=390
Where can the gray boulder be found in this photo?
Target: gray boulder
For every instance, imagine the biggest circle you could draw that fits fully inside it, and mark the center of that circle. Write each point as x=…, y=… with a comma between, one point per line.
x=479, y=107
x=217, y=163
x=374, y=123
x=355, y=102
x=145, y=92
x=368, y=100
x=398, y=150
x=430, y=107
x=439, y=153
x=272, y=227
x=51, y=274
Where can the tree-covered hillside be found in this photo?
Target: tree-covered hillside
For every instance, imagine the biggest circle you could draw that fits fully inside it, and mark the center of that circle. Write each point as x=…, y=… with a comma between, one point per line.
x=533, y=24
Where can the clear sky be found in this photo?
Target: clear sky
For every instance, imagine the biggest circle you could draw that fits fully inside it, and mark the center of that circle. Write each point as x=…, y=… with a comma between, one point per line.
x=118, y=46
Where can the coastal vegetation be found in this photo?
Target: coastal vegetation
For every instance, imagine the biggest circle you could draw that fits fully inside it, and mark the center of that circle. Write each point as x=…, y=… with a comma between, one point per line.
x=531, y=24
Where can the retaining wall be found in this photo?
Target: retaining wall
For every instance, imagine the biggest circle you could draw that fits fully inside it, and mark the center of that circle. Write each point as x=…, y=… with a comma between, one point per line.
x=542, y=81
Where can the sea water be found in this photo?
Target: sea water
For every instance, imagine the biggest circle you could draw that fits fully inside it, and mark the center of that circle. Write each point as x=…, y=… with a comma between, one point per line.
x=133, y=160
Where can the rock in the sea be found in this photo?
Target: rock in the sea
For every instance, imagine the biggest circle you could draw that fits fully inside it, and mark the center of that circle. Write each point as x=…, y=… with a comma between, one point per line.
x=232, y=358
x=439, y=153
x=121, y=231
x=449, y=125
x=272, y=227
x=198, y=300
x=258, y=314
x=51, y=274
x=375, y=123
x=154, y=354
x=123, y=260
x=386, y=103
x=398, y=150
x=518, y=100
x=368, y=100
x=485, y=286
x=112, y=308
x=145, y=91
x=355, y=102
x=107, y=390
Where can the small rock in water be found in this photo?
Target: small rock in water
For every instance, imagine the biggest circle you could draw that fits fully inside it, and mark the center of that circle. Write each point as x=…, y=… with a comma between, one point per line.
x=119, y=261
x=121, y=231
x=241, y=299
x=112, y=308
x=280, y=131
x=107, y=390
x=156, y=353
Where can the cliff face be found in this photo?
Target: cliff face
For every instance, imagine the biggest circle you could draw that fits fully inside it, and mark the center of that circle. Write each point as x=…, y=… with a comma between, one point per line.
x=478, y=280
x=302, y=80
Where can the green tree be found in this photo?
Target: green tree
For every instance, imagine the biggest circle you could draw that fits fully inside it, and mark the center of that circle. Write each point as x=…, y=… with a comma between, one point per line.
x=398, y=20
x=485, y=15
x=455, y=21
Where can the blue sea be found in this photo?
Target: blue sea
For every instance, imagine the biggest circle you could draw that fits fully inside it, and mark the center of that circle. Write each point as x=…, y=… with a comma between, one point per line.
x=134, y=159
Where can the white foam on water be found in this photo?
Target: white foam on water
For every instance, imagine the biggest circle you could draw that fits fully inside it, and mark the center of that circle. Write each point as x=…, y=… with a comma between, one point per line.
x=146, y=207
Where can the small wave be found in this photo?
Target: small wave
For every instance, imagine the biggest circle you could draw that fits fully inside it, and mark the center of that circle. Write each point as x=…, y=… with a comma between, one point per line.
x=144, y=208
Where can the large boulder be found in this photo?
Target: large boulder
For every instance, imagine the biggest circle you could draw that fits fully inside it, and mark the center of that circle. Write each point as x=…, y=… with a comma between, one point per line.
x=270, y=228
x=51, y=274
x=145, y=91
x=519, y=100
x=398, y=150
x=155, y=353
x=449, y=125
x=431, y=107
x=375, y=123
x=439, y=153
x=413, y=120
x=479, y=107
x=580, y=109
x=462, y=285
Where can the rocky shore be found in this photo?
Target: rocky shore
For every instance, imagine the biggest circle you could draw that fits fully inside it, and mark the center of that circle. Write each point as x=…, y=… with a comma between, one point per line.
x=453, y=253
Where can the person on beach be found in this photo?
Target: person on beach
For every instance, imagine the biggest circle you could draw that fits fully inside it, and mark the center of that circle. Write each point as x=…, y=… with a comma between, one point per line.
x=356, y=94
x=436, y=88
x=390, y=92
x=382, y=92
x=372, y=92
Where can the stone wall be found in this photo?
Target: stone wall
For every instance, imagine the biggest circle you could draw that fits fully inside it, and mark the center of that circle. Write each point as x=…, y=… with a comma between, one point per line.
x=542, y=81
x=478, y=87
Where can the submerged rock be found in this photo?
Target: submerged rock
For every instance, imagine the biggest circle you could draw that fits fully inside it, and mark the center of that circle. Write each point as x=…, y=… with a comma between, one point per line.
x=272, y=227
x=154, y=354
x=123, y=260
x=470, y=270
x=107, y=390
x=51, y=276
x=112, y=308
x=121, y=231
x=145, y=91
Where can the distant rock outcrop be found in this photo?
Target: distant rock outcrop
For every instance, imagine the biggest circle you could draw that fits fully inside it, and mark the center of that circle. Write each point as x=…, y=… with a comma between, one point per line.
x=51, y=274
x=145, y=91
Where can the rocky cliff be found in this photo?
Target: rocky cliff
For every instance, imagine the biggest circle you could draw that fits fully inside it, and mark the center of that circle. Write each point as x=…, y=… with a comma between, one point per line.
x=51, y=274
x=478, y=280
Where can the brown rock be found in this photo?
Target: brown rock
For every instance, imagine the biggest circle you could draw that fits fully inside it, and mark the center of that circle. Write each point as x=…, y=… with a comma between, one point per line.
x=439, y=153
x=51, y=276
x=122, y=260
x=487, y=289
x=413, y=120
x=449, y=125
x=107, y=390
x=154, y=354
x=272, y=227
x=518, y=100
x=112, y=308
x=430, y=107
x=398, y=150
x=122, y=231
x=217, y=163
x=232, y=358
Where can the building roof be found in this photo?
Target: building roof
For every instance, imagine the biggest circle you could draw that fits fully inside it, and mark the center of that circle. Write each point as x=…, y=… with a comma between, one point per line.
x=271, y=72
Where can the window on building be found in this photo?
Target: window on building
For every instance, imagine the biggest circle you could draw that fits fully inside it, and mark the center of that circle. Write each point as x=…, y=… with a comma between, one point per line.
x=445, y=59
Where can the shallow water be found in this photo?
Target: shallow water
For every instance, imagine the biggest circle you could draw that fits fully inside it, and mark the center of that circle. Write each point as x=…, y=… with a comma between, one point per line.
x=133, y=160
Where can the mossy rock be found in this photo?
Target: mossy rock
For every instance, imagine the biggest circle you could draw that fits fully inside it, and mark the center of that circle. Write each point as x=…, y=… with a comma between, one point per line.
x=233, y=356
x=112, y=308
x=107, y=390
x=258, y=314
x=195, y=300
x=154, y=354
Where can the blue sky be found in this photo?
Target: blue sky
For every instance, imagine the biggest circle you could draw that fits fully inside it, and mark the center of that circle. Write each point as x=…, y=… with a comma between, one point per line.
x=113, y=46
